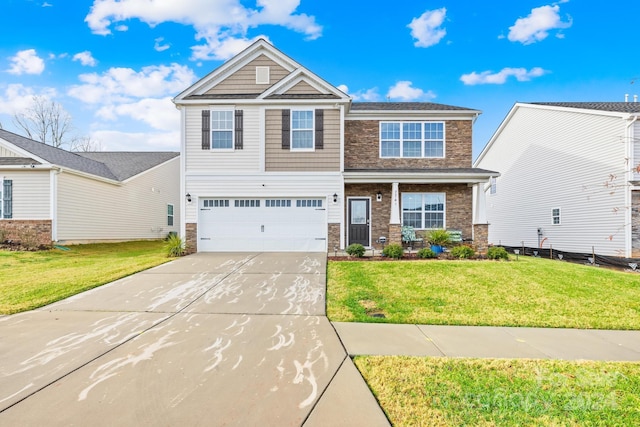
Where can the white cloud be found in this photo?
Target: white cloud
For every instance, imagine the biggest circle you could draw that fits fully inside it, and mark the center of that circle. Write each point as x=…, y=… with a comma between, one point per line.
x=368, y=95
x=125, y=84
x=221, y=24
x=85, y=59
x=488, y=77
x=160, y=114
x=404, y=91
x=141, y=141
x=17, y=97
x=26, y=62
x=426, y=28
x=537, y=25
x=159, y=46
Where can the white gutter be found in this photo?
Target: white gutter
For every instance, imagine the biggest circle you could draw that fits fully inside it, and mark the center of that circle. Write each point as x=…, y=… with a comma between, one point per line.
x=417, y=178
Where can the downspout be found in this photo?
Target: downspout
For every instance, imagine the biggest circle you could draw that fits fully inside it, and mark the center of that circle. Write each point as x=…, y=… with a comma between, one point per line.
x=53, y=203
x=628, y=199
x=183, y=192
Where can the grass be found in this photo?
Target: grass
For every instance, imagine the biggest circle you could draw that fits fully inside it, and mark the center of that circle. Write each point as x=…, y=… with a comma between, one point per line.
x=451, y=392
x=33, y=279
x=529, y=292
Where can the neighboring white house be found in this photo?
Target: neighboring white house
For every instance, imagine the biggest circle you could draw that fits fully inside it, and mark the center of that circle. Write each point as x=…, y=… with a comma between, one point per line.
x=275, y=158
x=66, y=197
x=569, y=177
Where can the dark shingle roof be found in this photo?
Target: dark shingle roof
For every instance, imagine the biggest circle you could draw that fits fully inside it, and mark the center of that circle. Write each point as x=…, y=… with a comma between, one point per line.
x=125, y=164
x=114, y=166
x=618, y=107
x=404, y=106
x=17, y=161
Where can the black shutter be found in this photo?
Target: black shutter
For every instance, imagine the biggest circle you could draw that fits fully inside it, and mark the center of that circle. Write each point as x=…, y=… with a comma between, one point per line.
x=286, y=129
x=319, y=129
x=206, y=129
x=238, y=126
x=7, y=196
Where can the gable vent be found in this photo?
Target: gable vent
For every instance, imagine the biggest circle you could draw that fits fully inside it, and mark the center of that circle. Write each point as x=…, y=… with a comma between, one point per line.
x=262, y=75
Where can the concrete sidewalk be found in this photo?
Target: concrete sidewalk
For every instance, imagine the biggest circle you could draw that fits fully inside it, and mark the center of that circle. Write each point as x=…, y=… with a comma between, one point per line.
x=488, y=342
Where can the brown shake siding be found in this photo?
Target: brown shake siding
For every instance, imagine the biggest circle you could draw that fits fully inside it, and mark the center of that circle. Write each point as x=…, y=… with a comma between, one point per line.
x=362, y=147
x=326, y=159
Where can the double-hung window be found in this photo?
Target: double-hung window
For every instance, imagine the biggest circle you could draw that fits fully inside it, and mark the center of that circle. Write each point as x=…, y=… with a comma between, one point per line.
x=170, y=215
x=555, y=216
x=222, y=129
x=302, y=130
x=412, y=139
x=423, y=210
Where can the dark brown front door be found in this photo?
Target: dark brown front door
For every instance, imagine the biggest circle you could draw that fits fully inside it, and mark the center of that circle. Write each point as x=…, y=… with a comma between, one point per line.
x=359, y=221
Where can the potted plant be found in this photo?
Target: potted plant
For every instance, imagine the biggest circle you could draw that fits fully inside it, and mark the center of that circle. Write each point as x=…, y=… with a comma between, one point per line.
x=438, y=239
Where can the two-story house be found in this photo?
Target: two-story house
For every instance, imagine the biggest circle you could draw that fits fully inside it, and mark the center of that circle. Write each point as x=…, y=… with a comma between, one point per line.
x=274, y=158
x=569, y=178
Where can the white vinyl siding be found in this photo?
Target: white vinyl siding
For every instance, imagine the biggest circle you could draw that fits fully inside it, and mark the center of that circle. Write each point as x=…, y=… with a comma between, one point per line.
x=549, y=158
x=635, y=138
x=30, y=194
x=272, y=186
x=204, y=161
x=90, y=210
x=5, y=152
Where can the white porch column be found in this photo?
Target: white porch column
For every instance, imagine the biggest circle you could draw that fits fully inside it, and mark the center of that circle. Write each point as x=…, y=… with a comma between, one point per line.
x=395, y=204
x=479, y=204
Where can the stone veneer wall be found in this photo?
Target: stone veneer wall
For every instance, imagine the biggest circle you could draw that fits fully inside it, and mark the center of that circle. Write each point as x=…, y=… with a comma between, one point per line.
x=191, y=238
x=458, y=208
x=362, y=147
x=333, y=233
x=481, y=237
x=36, y=232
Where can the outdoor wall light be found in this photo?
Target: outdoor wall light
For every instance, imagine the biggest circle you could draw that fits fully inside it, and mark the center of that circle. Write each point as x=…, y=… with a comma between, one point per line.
x=379, y=196
x=335, y=197
x=188, y=197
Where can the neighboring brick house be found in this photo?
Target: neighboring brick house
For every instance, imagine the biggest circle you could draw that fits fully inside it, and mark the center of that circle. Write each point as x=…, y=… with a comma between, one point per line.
x=275, y=158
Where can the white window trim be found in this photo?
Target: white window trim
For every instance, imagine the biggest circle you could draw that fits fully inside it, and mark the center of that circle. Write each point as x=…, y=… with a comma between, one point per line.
x=233, y=128
x=1, y=199
x=444, y=209
x=559, y=216
x=493, y=188
x=172, y=216
x=423, y=140
x=313, y=131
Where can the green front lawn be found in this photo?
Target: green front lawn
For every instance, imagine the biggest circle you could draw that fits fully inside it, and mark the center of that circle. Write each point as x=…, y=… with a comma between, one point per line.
x=452, y=392
x=529, y=292
x=32, y=279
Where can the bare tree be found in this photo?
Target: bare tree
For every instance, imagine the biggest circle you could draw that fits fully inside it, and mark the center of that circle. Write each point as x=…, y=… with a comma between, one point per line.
x=84, y=144
x=45, y=120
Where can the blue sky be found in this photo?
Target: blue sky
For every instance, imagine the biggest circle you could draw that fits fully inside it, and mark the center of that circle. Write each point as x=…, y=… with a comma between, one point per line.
x=114, y=65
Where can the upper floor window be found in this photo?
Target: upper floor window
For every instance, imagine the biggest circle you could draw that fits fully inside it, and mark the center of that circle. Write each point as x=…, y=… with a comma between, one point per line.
x=302, y=130
x=492, y=186
x=222, y=130
x=412, y=139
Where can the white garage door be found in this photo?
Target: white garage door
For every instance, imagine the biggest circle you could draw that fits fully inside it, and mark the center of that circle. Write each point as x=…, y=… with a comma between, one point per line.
x=271, y=224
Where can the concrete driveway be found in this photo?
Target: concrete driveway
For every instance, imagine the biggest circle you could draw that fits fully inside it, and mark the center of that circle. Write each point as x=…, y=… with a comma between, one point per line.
x=208, y=339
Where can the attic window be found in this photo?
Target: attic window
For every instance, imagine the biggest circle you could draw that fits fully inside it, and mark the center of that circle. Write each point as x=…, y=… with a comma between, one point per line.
x=262, y=75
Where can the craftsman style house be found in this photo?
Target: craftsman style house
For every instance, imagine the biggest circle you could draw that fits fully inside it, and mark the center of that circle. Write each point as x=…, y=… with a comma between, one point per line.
x=275, y=158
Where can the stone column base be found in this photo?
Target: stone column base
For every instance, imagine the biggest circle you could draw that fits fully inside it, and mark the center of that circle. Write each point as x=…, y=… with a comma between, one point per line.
x=395, y=234
x=191, y=238
x=481, y=237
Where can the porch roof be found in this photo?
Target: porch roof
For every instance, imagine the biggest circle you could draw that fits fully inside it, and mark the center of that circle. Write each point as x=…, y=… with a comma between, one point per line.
x=419, y=176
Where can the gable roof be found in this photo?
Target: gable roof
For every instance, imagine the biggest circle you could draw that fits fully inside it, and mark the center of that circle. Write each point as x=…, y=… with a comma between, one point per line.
x=276, y=91
x=109, y=165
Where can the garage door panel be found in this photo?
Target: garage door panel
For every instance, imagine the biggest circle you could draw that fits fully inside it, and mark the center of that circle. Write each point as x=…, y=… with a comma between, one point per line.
x=294, y=225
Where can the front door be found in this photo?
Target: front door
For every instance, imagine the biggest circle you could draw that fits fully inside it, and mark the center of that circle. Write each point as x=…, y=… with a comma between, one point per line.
x=359, y=221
